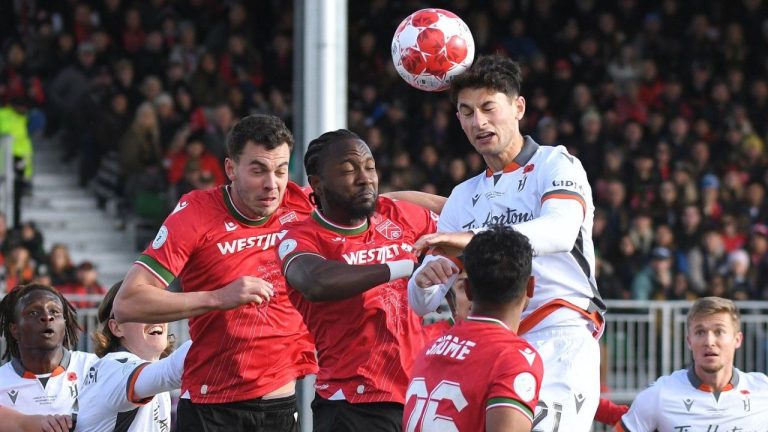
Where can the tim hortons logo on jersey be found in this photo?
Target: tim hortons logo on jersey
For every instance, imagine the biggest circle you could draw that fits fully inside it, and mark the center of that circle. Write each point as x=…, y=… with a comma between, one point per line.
x=509, y=217
x=263, y=242
x=377, y=255
x=451, y=346
x=390, y=230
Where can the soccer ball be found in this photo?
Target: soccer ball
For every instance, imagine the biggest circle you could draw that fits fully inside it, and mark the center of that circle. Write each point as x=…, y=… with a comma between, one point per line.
x=430, y=47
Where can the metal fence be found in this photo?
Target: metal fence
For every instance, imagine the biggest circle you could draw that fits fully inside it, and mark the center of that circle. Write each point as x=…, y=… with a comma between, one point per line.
x=642, y=340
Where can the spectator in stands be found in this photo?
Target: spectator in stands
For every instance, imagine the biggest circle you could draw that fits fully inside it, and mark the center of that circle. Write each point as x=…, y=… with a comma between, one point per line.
x=140, y=147
x=195, y=168
x=222, y=120
x=5, y=243
x=737, y=276
x=656, y=277
x=19, y=268
x=86, y=283
x=32, y=239
x=60, y=268
x=758, y=248
x=206, y=85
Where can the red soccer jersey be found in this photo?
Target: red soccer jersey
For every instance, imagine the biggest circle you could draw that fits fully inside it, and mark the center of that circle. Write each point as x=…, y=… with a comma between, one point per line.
x=477, y=365
x=365, y=344
x=249, y=351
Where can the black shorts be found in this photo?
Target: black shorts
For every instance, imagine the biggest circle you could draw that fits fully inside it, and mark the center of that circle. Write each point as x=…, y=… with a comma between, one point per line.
x=268, y=415
x=342, y=416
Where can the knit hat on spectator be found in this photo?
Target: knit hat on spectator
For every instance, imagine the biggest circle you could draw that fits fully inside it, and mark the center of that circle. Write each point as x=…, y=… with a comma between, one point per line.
x=710, y=181
x=661, y=253
x=760, y=229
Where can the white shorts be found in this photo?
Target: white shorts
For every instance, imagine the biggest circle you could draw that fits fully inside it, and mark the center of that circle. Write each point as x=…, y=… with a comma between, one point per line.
x=570, y=391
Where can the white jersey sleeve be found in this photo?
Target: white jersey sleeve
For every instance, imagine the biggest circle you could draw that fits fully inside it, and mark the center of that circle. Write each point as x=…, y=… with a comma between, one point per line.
x=426, y=300
x=163, y=375
x=643, y=414
x=563, y=186
x=108, y=383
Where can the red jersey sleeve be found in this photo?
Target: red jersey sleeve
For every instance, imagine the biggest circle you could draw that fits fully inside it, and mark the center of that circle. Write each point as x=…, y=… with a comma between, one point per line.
x=518, y=380
x=299, y=240
x=176, y=239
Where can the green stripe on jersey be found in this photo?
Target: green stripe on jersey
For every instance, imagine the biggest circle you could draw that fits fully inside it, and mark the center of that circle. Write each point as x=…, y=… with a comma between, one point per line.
x=508, y=401
x=235, y=213
x=336, y=228
x=156, y=267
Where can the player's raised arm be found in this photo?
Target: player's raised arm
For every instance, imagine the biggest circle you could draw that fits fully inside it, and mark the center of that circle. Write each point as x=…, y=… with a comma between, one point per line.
x=319, y=279
x=429, y=201
x=143, y=298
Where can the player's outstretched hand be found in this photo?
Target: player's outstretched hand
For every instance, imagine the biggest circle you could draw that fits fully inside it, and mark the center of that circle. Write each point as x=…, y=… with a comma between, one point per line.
x=48, y=423
x=244, y=290
x=445, y=240
x=434, y=273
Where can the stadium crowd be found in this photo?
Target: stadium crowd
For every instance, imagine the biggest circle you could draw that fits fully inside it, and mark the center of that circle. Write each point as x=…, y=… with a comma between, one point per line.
x=665, y=104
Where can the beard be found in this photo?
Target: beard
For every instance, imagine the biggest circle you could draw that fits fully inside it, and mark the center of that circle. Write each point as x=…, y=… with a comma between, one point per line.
x=355, y=210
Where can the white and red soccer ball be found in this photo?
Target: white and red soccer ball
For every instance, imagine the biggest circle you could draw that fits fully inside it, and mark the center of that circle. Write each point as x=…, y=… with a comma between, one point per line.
x=430, y=47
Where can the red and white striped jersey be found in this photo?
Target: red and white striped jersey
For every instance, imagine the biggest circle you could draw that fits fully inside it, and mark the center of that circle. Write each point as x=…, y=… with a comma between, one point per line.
x=365, y=344
x=246, y=352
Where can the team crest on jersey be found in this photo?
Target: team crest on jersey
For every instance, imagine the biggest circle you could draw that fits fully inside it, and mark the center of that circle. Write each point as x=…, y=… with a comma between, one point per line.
x=160, y=238
x=13, y=394
x=286, y=247
x=288, y=217
x=688, y=403
x=525, y=386
x=390, y=230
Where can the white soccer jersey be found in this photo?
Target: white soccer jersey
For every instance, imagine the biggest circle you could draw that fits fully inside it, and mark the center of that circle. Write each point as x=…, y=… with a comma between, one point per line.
x=53, y=393
x=515, y=196
x=107, y=398
x=682, y=403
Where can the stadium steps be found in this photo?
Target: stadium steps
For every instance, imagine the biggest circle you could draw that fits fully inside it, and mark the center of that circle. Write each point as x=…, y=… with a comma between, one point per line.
x=66, y=213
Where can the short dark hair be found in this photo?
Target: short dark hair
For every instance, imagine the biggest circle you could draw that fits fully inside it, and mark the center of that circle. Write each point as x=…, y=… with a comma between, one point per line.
x=265, y=130
x=318, y=145
x=8, y=316
x=498, y=263
x=495, y=72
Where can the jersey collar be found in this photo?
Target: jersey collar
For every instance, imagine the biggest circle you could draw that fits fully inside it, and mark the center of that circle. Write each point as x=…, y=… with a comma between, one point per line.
x=236, y=213
x=696, y=382
x=526, y=154
x=487, y=320
x=58, y=370
x=338, y=229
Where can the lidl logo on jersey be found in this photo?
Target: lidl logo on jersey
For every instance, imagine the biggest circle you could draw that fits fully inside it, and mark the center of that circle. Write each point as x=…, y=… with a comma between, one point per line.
x=263, y=242
x=390, y=230
x=377, y=255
